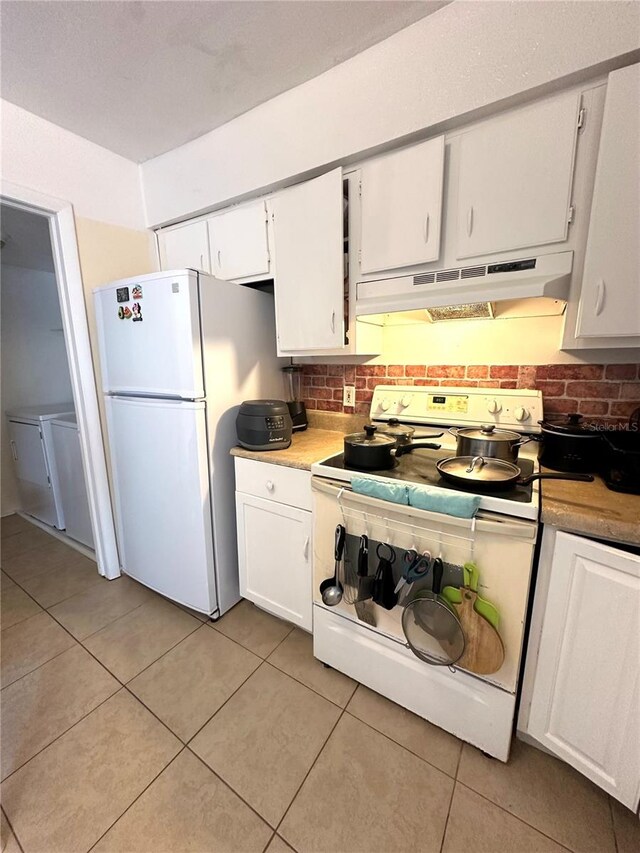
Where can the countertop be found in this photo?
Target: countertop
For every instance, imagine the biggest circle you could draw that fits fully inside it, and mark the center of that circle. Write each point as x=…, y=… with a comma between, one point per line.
x=590, y=509
x=305, y=448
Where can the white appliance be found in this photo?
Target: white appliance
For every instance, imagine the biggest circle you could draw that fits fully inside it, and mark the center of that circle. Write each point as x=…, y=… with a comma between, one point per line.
x=500, y=540
x=179, y=352
x=36, y=472
x=73, y=491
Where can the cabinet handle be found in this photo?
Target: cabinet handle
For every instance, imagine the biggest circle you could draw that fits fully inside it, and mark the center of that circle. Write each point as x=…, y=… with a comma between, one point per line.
x=470, y=221
x=219, y=260
x=14, y=451
x=305, y=550
x=426, y=229
x=270, y=486
x=201, y=262
x=600, y=293
x=333, y=321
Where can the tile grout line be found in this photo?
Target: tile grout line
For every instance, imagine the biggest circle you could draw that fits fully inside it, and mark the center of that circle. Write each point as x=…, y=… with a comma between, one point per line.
x=57, y=737
x=516, y=817
x=15, y=834
x=146, y=787
x=613, y=824
x=446, y=820
x=233, y=791
x=253, y=672
x=401, y=745
x=306, y=776
x=213, y=624
x=264, y=849
x=122, y=684
x=44, y=663
x=56, y=566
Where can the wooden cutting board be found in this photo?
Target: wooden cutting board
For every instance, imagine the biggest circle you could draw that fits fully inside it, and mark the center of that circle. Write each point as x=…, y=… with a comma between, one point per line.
x=483, y=651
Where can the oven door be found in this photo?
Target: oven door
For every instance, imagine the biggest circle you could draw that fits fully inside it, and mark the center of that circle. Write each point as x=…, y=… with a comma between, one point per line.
x=502, y=548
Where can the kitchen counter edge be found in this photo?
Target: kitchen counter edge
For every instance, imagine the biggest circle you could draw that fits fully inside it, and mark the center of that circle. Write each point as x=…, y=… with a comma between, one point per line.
x=306, y=448
x=591, y=509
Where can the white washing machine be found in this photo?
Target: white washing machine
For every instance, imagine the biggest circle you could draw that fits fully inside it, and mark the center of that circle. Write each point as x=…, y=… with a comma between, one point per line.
x=34, y=459
x=73, y=490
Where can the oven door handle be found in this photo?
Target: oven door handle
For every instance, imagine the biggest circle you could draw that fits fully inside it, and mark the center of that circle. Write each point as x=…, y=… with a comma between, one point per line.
x=375, y=507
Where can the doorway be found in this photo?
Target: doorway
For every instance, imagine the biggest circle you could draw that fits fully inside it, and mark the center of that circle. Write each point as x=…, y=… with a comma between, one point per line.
x=52, y=450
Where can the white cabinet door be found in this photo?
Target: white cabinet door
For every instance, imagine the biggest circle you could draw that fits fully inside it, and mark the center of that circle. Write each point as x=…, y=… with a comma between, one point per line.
x=32, y=473
x=585, y=704
x=402, y=207
x=309, y=283
x=185, y=247
x=238, y=242
x=274, y=557
x=610, y=298
x=515, y=178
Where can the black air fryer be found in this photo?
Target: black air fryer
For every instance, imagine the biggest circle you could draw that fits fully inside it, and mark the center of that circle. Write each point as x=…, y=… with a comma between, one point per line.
x=264, y=425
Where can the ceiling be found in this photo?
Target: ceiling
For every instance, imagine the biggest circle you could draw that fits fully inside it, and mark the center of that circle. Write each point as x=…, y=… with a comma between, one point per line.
x=26, y=239
x=141, y=78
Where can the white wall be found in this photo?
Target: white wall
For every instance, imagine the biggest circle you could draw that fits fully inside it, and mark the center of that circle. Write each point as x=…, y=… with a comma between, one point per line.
x=465, y=57
x=44, y=157
x=33, y=355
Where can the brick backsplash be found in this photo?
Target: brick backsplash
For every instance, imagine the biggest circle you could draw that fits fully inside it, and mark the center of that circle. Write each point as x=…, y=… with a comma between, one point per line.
x=609, y=392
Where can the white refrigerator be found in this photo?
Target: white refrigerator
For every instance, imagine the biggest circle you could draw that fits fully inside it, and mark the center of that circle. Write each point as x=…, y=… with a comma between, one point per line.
x=179, y=352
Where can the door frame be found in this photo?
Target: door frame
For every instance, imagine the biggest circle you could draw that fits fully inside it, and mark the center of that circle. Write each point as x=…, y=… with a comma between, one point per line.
x=75, y=326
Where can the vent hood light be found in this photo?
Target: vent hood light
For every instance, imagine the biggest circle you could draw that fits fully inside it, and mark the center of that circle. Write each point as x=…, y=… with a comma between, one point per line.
x=526, y=278
x=468, y=311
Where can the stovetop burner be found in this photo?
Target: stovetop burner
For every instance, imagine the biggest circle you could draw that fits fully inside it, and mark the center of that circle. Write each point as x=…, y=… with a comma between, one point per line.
x=419, y=467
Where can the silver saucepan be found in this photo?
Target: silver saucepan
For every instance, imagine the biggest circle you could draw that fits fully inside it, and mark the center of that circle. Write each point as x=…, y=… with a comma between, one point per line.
x=487, y=441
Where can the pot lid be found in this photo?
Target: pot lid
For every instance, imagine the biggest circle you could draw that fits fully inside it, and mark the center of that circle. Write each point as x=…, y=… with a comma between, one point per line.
x=479, y=469
x=394, y=427
x=369, y=438
x=570, y=424
x=488, y=432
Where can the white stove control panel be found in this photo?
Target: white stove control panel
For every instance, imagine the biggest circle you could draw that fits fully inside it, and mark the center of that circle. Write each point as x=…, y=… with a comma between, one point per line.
x=519, y=409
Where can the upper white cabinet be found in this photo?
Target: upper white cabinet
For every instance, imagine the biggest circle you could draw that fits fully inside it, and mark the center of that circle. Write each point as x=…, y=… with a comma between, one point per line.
x=185, y=247
x=309, y=256
x=402, y=207
x=238, y=242
x=582, y=688
x=515, y=178
x=610, y=297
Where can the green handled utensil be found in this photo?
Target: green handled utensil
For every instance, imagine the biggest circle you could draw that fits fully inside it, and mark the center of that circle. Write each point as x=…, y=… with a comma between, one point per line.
x=486, y=609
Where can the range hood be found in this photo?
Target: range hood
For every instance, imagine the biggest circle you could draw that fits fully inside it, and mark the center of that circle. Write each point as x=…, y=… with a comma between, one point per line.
x=526, y=278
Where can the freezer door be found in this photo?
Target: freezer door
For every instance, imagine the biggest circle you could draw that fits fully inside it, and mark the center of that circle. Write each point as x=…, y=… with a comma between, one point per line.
x=149, y=337
x=159, y=461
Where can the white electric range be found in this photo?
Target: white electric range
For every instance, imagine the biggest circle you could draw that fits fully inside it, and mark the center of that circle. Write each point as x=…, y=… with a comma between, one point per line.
x=438, y=409
x=500, y=540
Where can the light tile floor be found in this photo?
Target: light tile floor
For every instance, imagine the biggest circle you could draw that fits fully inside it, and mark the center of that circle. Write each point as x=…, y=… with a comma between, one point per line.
x=130, y=724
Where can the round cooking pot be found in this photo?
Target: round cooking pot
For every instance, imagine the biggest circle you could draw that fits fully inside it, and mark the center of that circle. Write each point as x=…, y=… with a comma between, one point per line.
x=488, y=441
x=569, y=444
x=369, y=451
x=493, y=475
x=403, y=433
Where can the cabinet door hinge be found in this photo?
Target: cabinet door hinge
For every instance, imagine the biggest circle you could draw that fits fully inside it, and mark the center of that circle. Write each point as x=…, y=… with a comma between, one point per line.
x=571, y=213
x=582, y=117
x=360, y=256
x=360, y=188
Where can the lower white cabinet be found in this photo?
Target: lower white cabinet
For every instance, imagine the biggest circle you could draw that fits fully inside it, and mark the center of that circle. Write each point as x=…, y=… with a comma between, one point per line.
x=274, y=541
x=581, y=696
